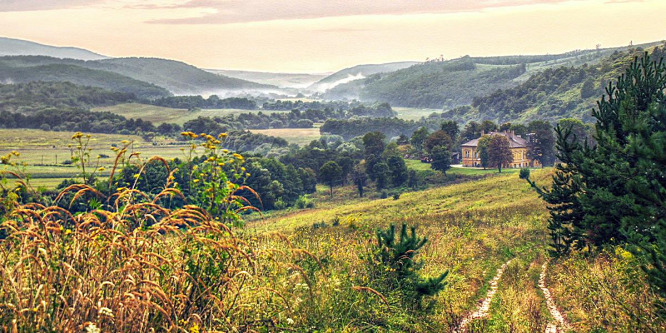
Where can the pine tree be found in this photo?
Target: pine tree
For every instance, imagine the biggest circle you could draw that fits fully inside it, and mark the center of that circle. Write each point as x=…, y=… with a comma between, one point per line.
x=615, y=192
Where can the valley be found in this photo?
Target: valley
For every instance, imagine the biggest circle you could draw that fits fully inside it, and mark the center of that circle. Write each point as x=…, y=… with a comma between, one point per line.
x=148, y=194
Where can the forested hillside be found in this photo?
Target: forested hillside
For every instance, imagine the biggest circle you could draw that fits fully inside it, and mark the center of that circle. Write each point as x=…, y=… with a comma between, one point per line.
x=36, y=68
x=12, y=46
x=439, y=84
x=36, y=96
x=178, y=77
x=146, y=77
x=552, y=94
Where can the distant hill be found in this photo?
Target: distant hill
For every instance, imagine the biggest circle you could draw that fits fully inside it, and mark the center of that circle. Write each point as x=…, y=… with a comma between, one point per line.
x=23, y=69
x=554, y=93
x=355, y=73
x=29, y=98
x=438, y=84
x=282, y=80
x=166, y=75
x=447, y=84
x=178, y=77
x=12, y=47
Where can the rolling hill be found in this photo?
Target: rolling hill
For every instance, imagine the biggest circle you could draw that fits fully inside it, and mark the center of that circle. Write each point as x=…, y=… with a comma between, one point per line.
x=553, y=94
x=178, y=77
x=355, y=73
x=447, y=84
x=15, y=47
x=146, y=77
x=23, y=69
x=282, y=80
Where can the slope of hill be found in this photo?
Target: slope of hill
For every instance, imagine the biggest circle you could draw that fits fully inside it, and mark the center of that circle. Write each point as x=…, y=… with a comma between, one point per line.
x=174, y=76
x=11, y=46
x=451, y=83
x=32, y=97
x=282, y=80
x=22, y=69
x=178, y=77
x=355, y=73
x=552, y=94
x=439, y=84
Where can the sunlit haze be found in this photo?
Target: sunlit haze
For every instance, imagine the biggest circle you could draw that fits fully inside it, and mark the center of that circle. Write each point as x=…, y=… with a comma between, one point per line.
x=325, y=35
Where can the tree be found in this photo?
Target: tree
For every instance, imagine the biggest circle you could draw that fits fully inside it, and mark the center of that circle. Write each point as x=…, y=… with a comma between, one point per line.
x=437, y=138
x=587, y=90
x=615, y=190
x=359, y=178
x=441, y=159
x=578, y=129
x=419, y=136
x=499, y=151
x=330, y=173
x=381, y=171
x=482, y=149
x=346, y=163
x=472, y=131
x=542, y=146
x=450, y=127
x=397, y=169
x=488, y=126
x=374, y=143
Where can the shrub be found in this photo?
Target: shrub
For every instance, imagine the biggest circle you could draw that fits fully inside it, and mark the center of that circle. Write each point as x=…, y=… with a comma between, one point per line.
x=394, y=268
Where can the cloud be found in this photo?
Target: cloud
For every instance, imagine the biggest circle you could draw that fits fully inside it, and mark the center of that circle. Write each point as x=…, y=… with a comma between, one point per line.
x=36, y=5
x=242, y=11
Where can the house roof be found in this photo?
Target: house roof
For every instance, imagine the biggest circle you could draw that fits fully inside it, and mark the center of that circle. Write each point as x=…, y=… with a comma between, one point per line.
x=515, y=141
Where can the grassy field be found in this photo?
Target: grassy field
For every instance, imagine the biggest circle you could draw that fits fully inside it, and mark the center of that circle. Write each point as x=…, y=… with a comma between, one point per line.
x=299, y=136
x=414, y=113
x=458, y=170
x=44, y=152
x=472, y=228
x=158, y=114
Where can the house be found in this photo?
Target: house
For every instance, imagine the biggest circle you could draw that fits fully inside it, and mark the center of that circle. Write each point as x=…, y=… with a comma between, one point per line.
x=518, y=145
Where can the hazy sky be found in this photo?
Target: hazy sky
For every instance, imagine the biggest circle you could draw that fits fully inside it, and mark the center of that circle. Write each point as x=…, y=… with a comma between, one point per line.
x=327, y=35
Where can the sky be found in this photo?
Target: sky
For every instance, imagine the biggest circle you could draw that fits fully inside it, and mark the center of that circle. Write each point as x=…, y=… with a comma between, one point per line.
x=317, y=36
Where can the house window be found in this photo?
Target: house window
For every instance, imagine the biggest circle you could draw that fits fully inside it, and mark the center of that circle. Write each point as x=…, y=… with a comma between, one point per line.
x=466, y=153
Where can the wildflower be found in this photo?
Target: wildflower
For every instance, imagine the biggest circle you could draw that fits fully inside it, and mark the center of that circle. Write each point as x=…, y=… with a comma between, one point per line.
x=238, y=156
x=194, y=328
x=77, y=135
x=68, y=231
x=104, y=311
x=15, y=153
x=290, y=321
x=195, y=181
x=137, y=175
x=101, y=169
x=92, y=328
x=222, y=135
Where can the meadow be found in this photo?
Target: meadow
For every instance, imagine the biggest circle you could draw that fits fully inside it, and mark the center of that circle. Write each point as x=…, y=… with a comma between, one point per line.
x=307, y=269
x=45, y=153
x=158, y=114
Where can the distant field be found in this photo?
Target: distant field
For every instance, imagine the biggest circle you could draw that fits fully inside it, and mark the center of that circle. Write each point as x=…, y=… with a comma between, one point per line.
x=299, y=136
x=159, y=114
x=418, y=165
x=414, y=113
x=44, y=152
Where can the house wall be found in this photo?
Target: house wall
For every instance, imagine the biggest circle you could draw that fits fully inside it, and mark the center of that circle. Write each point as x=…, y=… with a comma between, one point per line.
x=470, y=158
